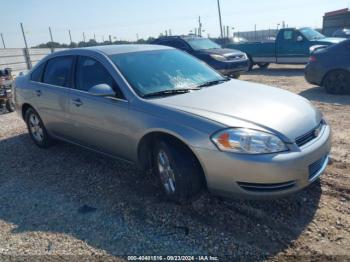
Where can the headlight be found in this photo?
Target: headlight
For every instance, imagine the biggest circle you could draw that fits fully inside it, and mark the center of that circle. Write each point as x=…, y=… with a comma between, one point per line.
x=248, y=141
x=218, y=57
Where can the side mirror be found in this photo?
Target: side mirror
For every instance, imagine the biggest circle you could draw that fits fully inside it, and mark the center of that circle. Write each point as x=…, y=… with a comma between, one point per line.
x=102, y=90
x=300, y=38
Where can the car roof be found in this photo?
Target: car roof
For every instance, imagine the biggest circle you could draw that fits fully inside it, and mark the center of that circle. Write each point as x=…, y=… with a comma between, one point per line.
x=184, y=37
x=117, y=49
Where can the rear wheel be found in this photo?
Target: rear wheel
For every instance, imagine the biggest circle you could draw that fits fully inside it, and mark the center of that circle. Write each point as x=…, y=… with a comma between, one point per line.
x=178, y=171
x=37, y=129
x=337, y=82
x=10, y=106
x=263, y=65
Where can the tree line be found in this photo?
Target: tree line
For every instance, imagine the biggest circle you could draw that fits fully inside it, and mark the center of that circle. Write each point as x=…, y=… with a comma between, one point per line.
x=92, y=42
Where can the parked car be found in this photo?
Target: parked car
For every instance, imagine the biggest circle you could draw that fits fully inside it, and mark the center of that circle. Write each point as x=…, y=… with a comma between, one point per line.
x=227, y=61
x=6, y=97
x=292, y=46
x=177, y=117
x=238, y=39
x=330, y=68
x=344, y=33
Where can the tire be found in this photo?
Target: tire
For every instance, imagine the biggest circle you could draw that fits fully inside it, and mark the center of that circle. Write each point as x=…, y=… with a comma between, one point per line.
x=263, y=65
x=235, y=75
x=337, y=82
x=184, y=180
x=10, y=106
x=251, y=64
x=36, y=129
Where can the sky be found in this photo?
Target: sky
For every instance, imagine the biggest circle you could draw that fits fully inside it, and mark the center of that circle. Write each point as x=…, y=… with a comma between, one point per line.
x=127, y=19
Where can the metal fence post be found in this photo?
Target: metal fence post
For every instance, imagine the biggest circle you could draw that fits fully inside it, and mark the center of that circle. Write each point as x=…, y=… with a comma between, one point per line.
x=26, y=50
x=27, y=58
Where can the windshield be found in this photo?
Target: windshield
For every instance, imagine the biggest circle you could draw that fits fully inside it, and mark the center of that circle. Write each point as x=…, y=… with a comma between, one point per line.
x=163, y=70
x=202, y=43
x=311, y=34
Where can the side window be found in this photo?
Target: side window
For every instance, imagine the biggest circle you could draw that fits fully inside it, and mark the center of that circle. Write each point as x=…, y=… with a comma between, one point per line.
x=58, y=70
x=91, y=72
x=288, y=35
x=38, y=73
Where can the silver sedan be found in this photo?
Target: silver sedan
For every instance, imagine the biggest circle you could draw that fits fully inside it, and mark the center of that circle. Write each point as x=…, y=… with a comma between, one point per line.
x=178, y=118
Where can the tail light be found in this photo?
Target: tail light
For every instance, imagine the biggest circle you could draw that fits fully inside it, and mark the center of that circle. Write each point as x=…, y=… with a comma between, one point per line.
x=2, y=80
x=312, y=58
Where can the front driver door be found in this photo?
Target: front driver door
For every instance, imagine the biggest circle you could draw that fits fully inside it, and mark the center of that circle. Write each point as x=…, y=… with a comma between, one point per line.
x=291, y=51
x=100, y=123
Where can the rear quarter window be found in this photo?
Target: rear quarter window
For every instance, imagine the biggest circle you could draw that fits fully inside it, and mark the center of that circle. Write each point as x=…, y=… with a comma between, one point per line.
x=288, y=35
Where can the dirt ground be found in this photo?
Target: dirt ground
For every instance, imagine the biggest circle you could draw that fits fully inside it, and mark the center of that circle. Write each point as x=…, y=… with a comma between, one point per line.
x=66, y=203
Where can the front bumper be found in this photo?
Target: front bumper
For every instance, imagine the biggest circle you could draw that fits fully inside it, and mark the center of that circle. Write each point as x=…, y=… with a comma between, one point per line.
x=313, y=74
x=232, y=67
x=265, y=176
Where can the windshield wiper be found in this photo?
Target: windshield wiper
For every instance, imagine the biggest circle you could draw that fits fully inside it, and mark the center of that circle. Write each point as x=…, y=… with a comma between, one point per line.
x=214, y=82
x=170, y=92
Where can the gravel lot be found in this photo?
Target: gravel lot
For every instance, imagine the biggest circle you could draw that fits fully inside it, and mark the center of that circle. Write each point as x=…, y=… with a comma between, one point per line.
x=69, y=203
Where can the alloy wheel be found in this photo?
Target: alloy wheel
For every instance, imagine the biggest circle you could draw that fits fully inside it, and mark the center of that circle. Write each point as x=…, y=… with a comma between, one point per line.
x=166, y=173
x=36, y=128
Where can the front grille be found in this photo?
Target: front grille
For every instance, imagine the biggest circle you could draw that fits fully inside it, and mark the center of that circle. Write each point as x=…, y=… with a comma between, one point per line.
x=309, y=136
x=236, y=57
x=259, y=187
x=315, y=167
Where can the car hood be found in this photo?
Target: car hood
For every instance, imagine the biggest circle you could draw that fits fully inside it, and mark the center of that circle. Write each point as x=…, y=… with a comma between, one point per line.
x=235, y=102
x=329, y=40
x=221, y=51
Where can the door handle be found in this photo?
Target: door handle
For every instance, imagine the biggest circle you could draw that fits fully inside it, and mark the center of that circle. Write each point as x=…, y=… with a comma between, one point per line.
x=77, y=102
x=38, y=92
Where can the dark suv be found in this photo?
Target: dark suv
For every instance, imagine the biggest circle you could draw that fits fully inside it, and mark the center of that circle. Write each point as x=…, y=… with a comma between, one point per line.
x=229, y=62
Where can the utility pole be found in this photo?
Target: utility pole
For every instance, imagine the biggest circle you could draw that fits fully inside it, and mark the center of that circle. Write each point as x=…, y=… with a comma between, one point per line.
x=51, y=34
x=70, y=37
x=3, y=41
x=219, y=9
x=255, y=32
x=199, y=26
x=170, y=33
x=95, y=37
x=84, y=36
x=228, y=32
x=110, y=39
x=29, y=63
x=51, y=40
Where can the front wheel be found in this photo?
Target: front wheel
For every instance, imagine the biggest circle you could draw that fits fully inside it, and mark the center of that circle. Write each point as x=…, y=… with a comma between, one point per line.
x=37, y=129
x=235, y=75
x=250, y=63
x=337, y=82
x=263, y=65
x=178, y=171
x=10, y=106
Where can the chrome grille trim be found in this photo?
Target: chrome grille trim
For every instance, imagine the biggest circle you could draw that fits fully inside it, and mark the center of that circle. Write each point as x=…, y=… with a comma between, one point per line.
x=309, y=136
